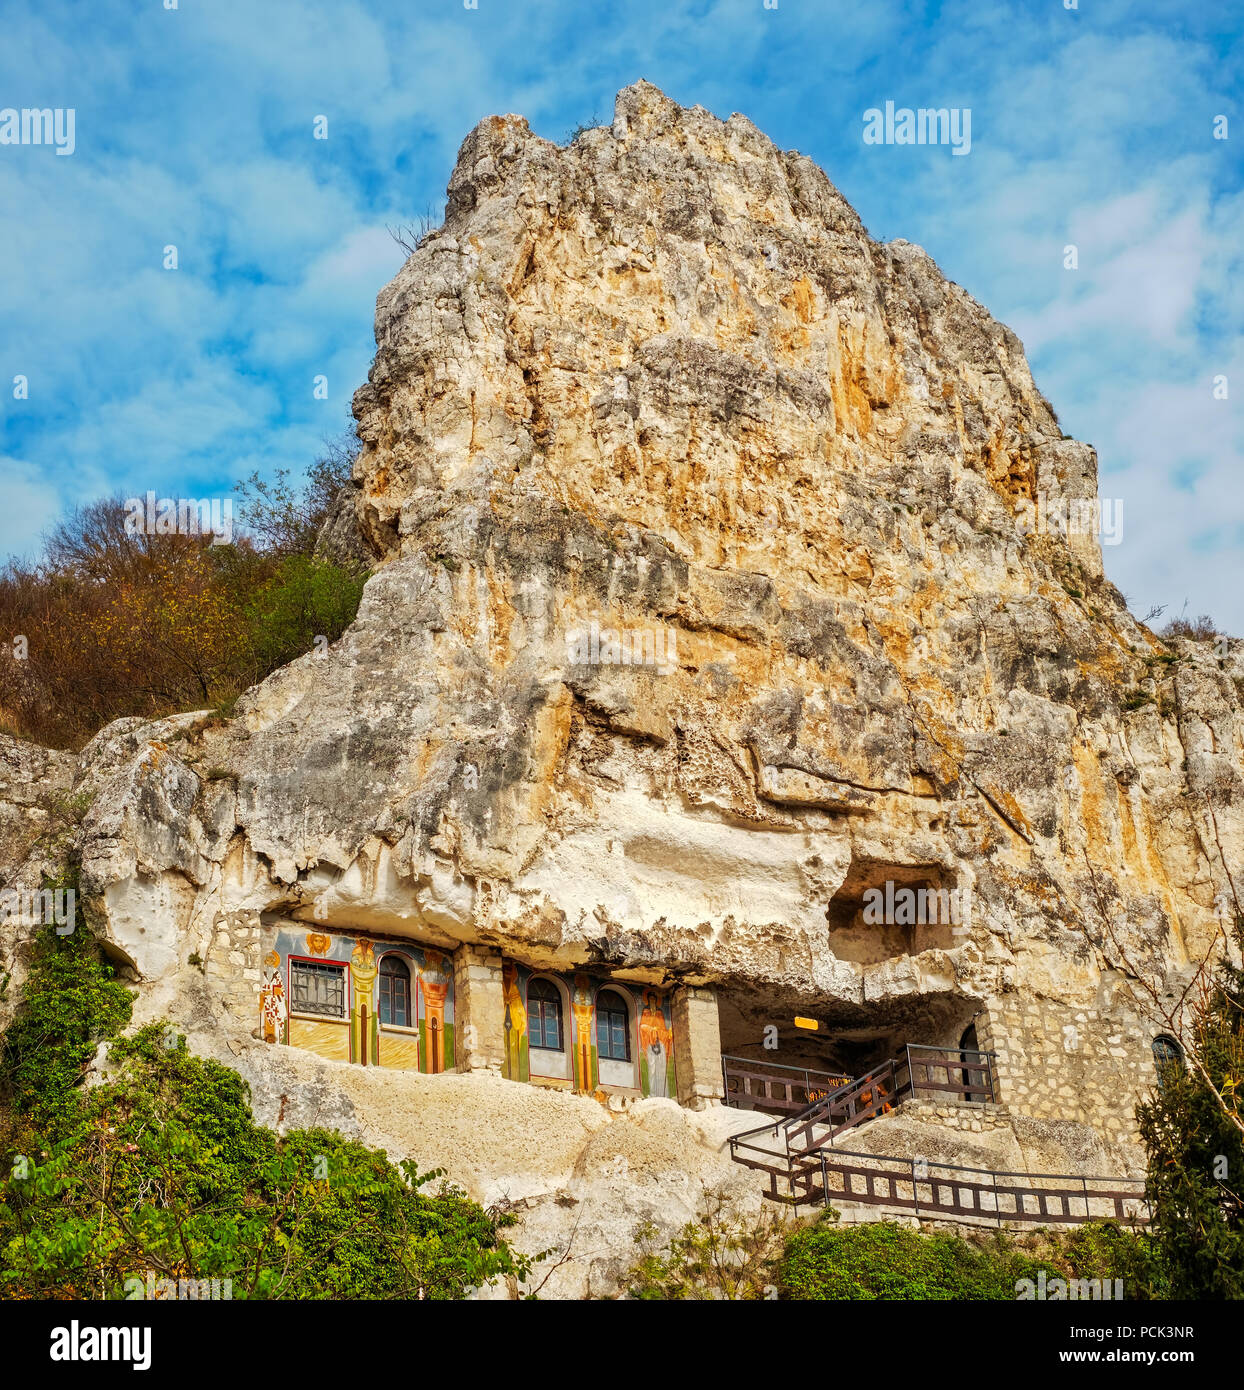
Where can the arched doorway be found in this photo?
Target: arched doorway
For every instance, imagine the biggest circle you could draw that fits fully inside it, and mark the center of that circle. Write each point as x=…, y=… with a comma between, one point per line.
x=969, y=1048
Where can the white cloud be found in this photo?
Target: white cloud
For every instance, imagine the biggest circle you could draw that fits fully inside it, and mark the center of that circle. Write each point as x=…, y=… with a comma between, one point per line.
x=31, y=505
x=194, y=129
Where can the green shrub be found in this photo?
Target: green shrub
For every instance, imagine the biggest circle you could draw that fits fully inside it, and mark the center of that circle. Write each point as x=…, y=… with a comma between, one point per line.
x=168, y=1172
x=882, y=1260
x=1104, y=1250
x=306, y=598
x=161, y=1167
x=72, y=1001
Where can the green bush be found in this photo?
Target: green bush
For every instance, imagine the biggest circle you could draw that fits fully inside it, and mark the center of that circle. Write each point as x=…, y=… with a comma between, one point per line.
x=881, y=1260
x=72, y=1001
x=306, y=598
x=160, y=1167
x=168, y=1172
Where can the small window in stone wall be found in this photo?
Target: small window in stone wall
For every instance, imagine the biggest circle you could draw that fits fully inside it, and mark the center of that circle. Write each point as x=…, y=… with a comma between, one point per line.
x=544, y=1015
x=395, y=992
x=613, y=1034
x=1168, y=1057
x=317, y=987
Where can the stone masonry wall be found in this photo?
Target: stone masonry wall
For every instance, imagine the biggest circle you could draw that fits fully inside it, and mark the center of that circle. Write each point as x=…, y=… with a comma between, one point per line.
x=232, y=963
x=968, y=1119
x=1059, y=1062
x=480, y=1004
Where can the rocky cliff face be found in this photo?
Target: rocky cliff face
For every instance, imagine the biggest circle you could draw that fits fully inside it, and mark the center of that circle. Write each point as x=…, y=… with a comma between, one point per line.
x=659, y=394
x=664, y=380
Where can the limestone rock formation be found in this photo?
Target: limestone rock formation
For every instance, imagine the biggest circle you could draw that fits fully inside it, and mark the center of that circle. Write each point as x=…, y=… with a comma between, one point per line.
x=700, y=609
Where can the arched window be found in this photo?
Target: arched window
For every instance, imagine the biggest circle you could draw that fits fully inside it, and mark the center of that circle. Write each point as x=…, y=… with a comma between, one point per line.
x=613, y=1033
x=395, y=991
x=544, y=1015
x=968, y=1049
x=1168, y=1056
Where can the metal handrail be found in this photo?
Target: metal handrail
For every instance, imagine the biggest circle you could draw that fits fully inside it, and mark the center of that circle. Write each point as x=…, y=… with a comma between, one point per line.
x=760, y=1129
x=782, y=1066
x=841, y=1096
x=758, y=1084
x=1115, y=1190
x=987, y=1172
x=972, y=1063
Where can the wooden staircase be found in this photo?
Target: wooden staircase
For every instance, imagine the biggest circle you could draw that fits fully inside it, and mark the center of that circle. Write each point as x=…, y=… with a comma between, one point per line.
x=788, y=1150
x=798, y=1154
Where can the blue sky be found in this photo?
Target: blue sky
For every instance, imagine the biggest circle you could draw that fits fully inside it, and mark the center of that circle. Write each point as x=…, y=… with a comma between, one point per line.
x=1091, y=126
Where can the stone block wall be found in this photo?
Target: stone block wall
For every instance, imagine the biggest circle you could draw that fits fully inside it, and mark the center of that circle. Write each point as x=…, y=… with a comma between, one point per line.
x=480, y=1001
x=697, y=1046
x=232, y=963
x=966, y=1119
x=1059, y=1062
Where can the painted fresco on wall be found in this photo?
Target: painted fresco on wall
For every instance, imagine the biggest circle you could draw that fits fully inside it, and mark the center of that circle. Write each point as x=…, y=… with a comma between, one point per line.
x=514, y=990
x=436, y=979
x=586, y=1070
x=352, y=1031
x=656, y=1046
x=272, y=1010
x=364, y=1029
x=655, y=1032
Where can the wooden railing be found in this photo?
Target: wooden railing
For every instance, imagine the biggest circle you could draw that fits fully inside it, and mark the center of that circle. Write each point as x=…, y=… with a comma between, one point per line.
x=771, y=1086
x=959, y=1073
x=932, y=1191
x=797, y=1153
x=872, y=1094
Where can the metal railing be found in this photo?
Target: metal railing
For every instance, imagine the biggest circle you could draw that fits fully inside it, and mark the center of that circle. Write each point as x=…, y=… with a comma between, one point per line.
x=930, y=1191
x=959, y=1073
x=797, y=1152
x=756, y=1085
x=872, y=1094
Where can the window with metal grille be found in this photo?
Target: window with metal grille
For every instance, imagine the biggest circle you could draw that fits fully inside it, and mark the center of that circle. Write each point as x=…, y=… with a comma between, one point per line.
x=1169, y=1058
x=318, y=988
x=544, y=1015
x=395, y=992
x=613, y=1035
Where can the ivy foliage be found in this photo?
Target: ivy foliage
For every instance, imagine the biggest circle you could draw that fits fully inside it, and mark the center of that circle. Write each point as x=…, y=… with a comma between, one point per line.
x=160, y=1168
x=72, y=1002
